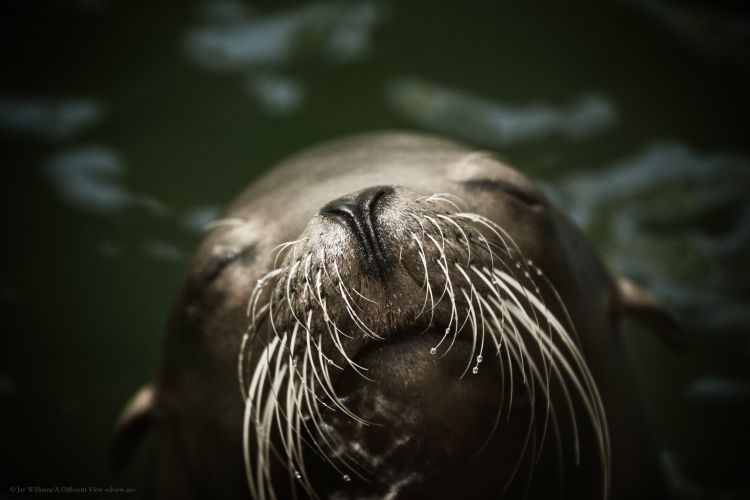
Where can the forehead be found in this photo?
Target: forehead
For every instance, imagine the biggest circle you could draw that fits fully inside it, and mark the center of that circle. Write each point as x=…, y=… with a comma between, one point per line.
x=279, y=206
x=424, y=165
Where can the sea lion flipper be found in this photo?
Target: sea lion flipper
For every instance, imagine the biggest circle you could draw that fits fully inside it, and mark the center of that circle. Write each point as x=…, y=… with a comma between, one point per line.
x=134, y=421
x=643, y=306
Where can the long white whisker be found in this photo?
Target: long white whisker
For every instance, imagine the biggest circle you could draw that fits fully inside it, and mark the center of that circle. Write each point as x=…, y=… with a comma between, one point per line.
x=311, y=321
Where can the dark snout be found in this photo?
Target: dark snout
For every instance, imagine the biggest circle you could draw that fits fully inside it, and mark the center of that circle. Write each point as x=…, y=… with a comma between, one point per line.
x=358, y=212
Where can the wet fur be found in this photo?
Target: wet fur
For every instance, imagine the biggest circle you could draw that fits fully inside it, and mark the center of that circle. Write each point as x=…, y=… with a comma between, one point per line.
x=493, y=296
x=289, y=369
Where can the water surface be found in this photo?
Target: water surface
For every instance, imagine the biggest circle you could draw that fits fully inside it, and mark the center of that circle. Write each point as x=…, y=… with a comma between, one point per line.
x=126, y=126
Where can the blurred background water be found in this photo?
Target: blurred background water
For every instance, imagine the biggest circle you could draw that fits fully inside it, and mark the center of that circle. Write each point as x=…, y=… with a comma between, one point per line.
x=125, y=126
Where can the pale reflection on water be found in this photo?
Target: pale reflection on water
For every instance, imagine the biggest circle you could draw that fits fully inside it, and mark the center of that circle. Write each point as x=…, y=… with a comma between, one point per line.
x=629, y=130
x=48, y=118
x=91, y=179
x=657, y=205
x=496, y=124
x=235, y=39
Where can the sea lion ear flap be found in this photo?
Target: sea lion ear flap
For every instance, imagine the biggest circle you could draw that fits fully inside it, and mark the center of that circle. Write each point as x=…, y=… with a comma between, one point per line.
x=641, y=305
x=132, y=425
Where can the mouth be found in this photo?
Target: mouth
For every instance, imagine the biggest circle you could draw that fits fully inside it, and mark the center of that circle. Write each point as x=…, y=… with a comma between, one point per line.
x=405, y=367
x=446, y=326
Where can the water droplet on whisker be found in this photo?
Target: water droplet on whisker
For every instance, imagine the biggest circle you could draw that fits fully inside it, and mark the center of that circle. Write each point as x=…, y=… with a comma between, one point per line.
x=479, y=358
x=433, y=350
x=518, y=264
x=347, y=478
x=475, y=370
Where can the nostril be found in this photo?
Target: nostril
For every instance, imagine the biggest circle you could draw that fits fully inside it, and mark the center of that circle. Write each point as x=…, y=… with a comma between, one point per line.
x=369, y=198
x=359, y=204
x=340, y=207
x=358, y=212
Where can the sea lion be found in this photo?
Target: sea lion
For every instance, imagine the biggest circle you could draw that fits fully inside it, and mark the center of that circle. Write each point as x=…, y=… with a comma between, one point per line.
x=395, y=315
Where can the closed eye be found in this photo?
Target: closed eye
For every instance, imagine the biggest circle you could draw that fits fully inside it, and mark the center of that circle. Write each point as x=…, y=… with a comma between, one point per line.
x=484, y=184
x=218, y=266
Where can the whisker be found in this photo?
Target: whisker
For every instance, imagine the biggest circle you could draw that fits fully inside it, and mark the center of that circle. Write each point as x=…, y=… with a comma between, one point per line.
x=305, y=318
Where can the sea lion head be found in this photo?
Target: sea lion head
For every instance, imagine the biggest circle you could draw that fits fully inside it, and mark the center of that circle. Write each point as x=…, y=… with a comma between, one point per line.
x=389, y=316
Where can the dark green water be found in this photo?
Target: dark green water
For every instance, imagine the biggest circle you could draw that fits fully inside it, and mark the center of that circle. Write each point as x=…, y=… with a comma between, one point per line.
x=124, y=126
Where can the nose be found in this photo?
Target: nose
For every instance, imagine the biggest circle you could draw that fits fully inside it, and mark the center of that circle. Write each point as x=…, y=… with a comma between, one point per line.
x=358, y=212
